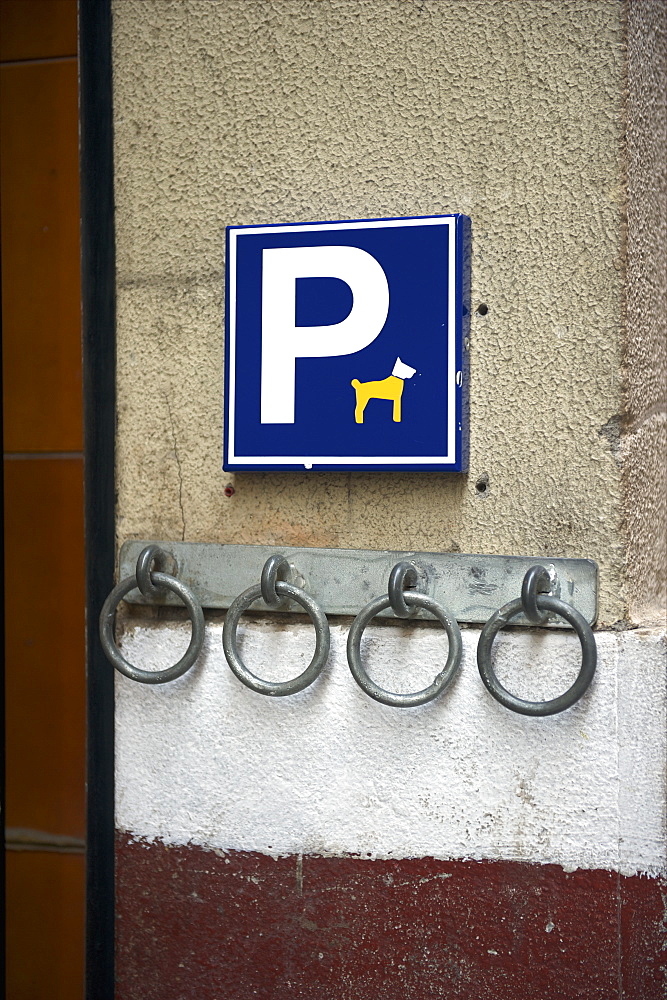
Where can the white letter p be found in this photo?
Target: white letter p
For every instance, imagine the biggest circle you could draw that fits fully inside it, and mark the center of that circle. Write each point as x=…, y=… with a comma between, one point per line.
x=283, y=342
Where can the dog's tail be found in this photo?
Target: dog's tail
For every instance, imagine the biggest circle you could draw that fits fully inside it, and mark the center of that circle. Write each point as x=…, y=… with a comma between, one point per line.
x=355, y=382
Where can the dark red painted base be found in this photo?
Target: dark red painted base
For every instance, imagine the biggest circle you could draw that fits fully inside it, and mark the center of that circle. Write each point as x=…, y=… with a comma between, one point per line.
x=194, y=924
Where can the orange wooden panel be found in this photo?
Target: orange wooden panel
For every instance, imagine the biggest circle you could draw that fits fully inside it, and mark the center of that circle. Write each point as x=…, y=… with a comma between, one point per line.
x=37, y=29
x=45, y=926
x=44, y=673
x=40, y=257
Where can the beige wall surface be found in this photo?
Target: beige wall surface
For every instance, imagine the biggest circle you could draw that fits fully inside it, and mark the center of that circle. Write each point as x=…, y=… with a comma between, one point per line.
x=237, y=112
x=643, y=454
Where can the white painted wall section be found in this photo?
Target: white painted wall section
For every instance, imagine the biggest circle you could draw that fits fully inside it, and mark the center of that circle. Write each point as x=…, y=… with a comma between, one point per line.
x=329, y=771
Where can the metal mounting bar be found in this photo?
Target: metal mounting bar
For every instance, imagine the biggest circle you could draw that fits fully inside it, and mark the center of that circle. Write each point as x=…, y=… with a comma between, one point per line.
x=342, y=581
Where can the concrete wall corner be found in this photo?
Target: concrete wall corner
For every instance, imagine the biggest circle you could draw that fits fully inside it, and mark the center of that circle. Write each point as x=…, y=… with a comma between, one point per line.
x=643, y=430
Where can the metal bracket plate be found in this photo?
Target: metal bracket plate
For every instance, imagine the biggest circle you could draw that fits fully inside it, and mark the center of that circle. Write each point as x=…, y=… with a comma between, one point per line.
x=342, y=581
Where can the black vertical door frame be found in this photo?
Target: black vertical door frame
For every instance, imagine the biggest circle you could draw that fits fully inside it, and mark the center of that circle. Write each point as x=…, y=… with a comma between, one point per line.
x=3, y=812
x=99, y=377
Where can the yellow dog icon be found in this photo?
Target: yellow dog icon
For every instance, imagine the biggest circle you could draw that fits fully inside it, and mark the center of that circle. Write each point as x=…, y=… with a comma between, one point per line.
x=387, y=388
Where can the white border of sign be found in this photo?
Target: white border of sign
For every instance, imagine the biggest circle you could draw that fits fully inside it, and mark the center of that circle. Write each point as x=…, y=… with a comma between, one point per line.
x=309, y=461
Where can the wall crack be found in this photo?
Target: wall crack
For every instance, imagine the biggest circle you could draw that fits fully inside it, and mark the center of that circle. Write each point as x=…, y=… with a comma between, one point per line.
x=178, y=465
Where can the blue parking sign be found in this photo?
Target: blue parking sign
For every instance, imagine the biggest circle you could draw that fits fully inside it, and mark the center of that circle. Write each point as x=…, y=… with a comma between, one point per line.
x=345, y=345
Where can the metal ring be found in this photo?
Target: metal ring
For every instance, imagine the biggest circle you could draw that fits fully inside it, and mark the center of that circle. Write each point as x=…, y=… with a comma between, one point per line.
x=403, y=575
x=147, y=557
x=322, y=641
x=107, y=616
x=444, y=678
x=272, y=567
x=573, y=693
x=536, y=577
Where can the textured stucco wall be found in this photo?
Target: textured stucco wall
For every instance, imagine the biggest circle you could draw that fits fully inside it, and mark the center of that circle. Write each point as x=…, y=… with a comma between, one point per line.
x=330, y=772
x=292, y=110
x=536, y=119
x=644, y=428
